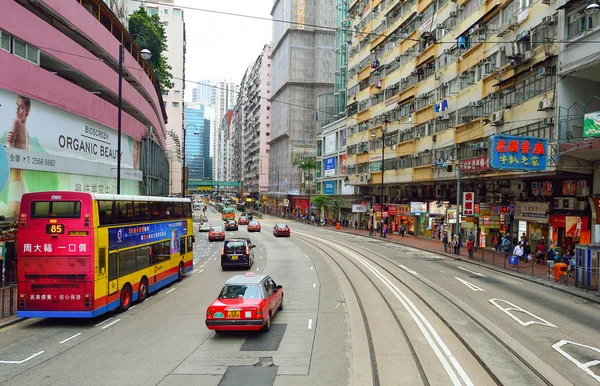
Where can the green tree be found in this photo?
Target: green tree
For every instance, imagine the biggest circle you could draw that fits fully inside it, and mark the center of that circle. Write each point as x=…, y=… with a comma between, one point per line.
x=308, y=165
x=326, y=201
x=153, y=38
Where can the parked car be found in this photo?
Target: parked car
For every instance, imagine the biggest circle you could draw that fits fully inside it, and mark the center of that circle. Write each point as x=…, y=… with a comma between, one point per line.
x=246, y=302
x=281, y=230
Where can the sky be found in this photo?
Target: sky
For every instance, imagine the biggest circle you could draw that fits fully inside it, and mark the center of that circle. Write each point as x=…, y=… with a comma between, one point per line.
x=221, y=47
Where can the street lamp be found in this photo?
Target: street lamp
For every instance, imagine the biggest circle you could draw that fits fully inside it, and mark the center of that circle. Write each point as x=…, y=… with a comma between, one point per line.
x=146, y=54
x=383, y=129
x=183, y=171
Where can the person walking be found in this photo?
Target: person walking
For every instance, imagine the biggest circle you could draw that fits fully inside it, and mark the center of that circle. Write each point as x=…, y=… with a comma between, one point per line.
x=445, y=242
x=470, y=246
x=402, y=230
x=385, y=230
x=506, y=246
x=518, y=252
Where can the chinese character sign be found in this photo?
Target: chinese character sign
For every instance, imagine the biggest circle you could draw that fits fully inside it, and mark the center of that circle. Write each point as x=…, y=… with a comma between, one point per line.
x=468, y=204
x=519, y=153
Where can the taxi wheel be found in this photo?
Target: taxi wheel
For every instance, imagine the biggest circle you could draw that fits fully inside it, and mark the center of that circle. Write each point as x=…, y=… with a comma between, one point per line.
x=143, y=290
x=125, y=298
x=180, y=272
x=281, y=304
x=267, y=325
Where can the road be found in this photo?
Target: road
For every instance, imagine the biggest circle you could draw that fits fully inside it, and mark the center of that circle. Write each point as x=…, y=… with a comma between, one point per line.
x=357, y=311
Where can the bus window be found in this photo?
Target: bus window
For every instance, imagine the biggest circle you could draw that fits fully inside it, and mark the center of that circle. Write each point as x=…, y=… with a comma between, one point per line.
x=124, y=212
x=178, y=210
x=169, y=209
x=143, y=257
x=187, y=209
x=166, y=250
x=190, y=243
x=56, y=209
x=112, y=266
x=141, y=210
x=127, y=262
x=156, y=210
x=106, y=212
x=182, y=245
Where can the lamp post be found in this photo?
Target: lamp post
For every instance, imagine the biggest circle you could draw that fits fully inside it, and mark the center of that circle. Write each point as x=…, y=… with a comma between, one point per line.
x=146, y=54
x=183, y=170
x=383, y=129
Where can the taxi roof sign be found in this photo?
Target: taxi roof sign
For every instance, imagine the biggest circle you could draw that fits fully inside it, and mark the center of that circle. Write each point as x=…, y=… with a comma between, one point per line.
x=249, y=274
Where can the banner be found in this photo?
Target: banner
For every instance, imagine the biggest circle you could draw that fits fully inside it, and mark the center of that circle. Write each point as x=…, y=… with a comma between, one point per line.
x=532, y=211
x=418, y=208
x=130, y=236
x=511, y=152
x=330, y=146
x=573, y=226
x=343, y=164
x=329, y=165
x=591, y=124
x=468, y=207
x=301, y=14
x=329, y=187
x=359, y=208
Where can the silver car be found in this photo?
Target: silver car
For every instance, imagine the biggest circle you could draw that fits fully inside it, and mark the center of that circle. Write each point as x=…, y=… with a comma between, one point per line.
x=204, y=227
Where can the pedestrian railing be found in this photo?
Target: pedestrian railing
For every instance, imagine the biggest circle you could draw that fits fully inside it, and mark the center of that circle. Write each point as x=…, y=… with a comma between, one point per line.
x=8, y=297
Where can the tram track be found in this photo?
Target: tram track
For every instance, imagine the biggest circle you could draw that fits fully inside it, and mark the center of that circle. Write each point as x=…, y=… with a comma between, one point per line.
x=309, y=239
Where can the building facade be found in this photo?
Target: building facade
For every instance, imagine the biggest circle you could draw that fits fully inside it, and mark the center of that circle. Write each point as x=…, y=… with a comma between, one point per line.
x=467, y=95
x=173, y=20
x=60, y=126
x=225, y=98
x=303, y=68
x=204, y=93
x=195, y=140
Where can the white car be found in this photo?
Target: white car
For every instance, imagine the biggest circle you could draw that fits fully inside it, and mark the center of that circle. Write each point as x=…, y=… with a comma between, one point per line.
x=205, y=227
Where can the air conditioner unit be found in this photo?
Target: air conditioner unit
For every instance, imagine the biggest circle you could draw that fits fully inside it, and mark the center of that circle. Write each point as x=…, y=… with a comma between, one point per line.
x=527, y=56
x=558, y=203
x=367, y=176
x=544, y=71
x=472, y=104
x=545, y=105
x=548, y=20
x=451, y=159
x=569, y=203
x=445, y=84
x=460, y=7
x=445, y=117
x=452, y=14
x=439, y=26
x=434, y=138
x=498, y=118
x=549, y=121
x=414, y=155
x=491, y=95
x=581, y=205
x=583, y=191
x=482, y=145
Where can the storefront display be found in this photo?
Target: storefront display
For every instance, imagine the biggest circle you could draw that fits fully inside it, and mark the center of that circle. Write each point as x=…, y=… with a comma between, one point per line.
x=532, y=218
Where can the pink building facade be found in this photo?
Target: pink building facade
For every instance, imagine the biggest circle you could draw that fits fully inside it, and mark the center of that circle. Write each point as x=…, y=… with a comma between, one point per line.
x=58, y=103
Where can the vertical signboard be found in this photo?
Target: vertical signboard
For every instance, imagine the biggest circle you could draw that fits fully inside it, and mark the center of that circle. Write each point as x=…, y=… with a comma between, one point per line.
x=301, y=14
x=343, y=164
x=468, y=204
x=329, y=166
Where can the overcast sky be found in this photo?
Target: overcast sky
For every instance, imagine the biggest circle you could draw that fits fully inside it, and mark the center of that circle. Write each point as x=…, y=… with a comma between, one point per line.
x=221, y=47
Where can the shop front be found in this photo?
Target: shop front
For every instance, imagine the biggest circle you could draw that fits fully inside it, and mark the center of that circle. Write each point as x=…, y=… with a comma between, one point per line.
x=437, y=219
x=299, y=206
x=503, y=215
x=532, y=219
x=489, y=225
x=566, y=230
x=400, y=214
x=420, y=226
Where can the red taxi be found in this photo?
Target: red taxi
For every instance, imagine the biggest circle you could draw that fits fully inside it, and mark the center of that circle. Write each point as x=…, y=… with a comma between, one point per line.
x=243, y=220
x=246, y=302
x=281, y=230
x=253, y=226
x=216, y=233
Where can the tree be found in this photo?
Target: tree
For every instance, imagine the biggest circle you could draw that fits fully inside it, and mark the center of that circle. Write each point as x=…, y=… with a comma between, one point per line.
x=326, y=201
x=153, y=38
x=307, y=165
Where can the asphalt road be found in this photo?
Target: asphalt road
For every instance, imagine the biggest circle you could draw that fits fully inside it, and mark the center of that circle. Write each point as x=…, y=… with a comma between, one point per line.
x=356, y=311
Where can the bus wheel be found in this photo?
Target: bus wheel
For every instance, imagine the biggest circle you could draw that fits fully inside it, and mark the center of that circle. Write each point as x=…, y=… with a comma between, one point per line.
x=143, y=290
x=180, y=272
x=125, y=298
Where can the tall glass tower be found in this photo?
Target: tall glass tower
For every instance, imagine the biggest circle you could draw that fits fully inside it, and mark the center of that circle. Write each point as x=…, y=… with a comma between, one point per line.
x=195, y=142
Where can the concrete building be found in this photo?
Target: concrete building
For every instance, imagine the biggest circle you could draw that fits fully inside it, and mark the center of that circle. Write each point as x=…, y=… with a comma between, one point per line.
x=174, y=23
x=223, y=152
x=225, y=98
x=204, y=93
x=303, y=65
x=441, y=92
x=60, y=64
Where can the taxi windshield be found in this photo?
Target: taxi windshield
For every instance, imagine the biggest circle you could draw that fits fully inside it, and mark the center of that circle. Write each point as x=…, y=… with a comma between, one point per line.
x=240, y=292
x=217, y=229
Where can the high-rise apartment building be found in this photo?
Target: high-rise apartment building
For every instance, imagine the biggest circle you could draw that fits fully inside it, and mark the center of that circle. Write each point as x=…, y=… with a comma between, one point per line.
x=303, y=64
x=225, y=97
x=172, y=18
x=204, y=93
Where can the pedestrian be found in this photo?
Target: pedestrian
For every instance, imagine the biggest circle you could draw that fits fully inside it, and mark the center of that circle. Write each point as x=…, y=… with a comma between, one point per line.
x=402, y=230
x=370, y=228
x=445, y=242
x=385, y=230
x=506, y=246
x=540, y=253
x=355, y=224
x=470, y=245
x=526, y=254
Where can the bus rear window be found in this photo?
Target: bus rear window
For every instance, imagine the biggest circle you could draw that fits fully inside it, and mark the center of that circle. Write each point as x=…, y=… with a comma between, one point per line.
x=56, y=209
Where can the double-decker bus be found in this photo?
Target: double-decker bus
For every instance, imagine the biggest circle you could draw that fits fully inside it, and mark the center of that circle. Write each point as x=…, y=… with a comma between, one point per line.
x=228, y=214
x=82, y=255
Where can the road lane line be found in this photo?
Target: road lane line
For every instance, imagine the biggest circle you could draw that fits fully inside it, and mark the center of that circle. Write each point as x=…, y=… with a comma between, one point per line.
x=257, y=269
x=111, y=323
x=430, y=266
x=314, y=285
x=194, y=271
x=583, y=366
x=131, y=308
x=407, y=269
x=473, y=272
x=311, y=268
x=101, y=323
x=310, y=324
x=68, y=339
x=169, y=291
x=519, y=309
x=23, y=361
x=201, y=271
x=470, y=285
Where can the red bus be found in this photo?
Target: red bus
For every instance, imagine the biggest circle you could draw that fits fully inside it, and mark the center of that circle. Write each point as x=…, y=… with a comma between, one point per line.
x=81, y=255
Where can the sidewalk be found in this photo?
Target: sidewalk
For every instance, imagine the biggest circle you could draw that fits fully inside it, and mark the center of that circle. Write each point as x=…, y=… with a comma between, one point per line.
x=486, y=257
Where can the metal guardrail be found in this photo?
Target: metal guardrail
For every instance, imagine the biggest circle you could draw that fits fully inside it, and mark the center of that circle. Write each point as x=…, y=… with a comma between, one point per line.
x=8, y=297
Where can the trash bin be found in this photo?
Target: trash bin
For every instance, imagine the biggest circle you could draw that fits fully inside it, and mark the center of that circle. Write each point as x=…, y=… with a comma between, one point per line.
x=338, y=225
x=559, y=269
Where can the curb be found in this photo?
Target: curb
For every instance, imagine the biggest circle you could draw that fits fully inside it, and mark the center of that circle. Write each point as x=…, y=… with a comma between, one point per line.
x=592, y=297
x=11, y=322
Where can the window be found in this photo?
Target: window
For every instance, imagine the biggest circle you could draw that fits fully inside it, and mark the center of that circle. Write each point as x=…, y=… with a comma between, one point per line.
x=106, y=211
x=175, y=104
x=5, y=41
x=141, y=211
x=124, y=211
x=268, y=289
x=268, y=108
x=177, y=12
x=177, y=92
x=165, y=93
x=190, y=243
x=166, y=11
x=152, y=11
x=182, y=245
x=143, y=257
x=56, y=209
x=112, y=266
x=268, y=134
x=127, y=261
x=240, y=292
x=166, y=23
x=160, y=252
x=20, y=48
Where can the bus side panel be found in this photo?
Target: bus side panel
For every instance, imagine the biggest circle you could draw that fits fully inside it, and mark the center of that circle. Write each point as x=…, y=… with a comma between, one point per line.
x=101, y=301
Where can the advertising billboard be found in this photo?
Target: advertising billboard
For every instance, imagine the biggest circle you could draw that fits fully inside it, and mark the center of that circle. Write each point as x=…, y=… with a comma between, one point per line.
x=591, y=124
x=330, y=145
x=329, y=187
x=512, y=152
x=329, y=165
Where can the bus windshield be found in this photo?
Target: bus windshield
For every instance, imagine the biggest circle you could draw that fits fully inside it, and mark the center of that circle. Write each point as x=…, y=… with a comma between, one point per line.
x=56, y=209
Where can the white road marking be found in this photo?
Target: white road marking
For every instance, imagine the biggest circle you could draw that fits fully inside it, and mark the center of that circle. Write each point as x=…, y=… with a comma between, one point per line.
x=257, y=269
x=68, y=339
x=470, y=285
x=131, y=308
x=407, y=269
x=436, y=343
x=311, y=268
x=194, y=271
x=261, y=257
x=519, y=309
x=201, y=271
x=309, y=324
x=473, y=272
x=23, y=361
x=430, y=266
x=583, y=366
x=111, y=323
x=314, y=285
x=169, y=291
x=101, y=323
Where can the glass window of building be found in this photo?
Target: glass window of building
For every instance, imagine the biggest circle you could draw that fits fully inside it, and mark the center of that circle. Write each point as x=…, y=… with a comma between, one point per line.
x=175, y=104
x=152, y=11
x=4, y=41
x=166, y=11
x=177, y=12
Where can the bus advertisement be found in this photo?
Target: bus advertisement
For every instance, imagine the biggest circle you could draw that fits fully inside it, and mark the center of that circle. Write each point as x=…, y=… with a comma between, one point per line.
x=82, y=255
x=228, y=214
